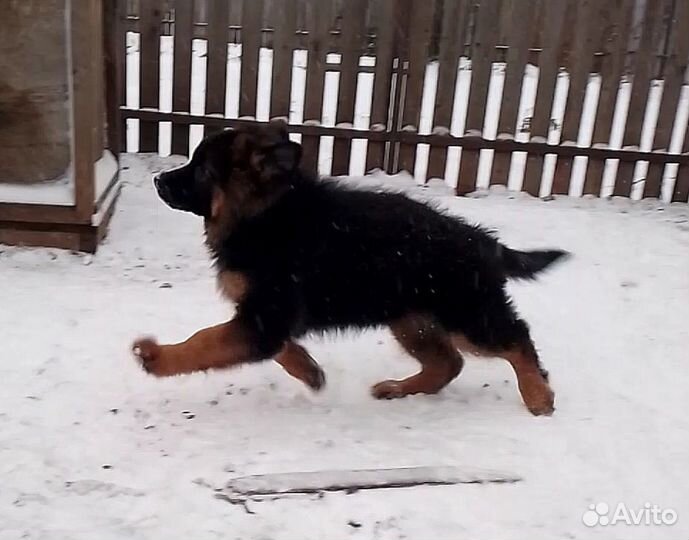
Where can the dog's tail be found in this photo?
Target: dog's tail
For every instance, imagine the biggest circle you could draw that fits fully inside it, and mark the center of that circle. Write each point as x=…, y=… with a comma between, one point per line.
x=527, y=264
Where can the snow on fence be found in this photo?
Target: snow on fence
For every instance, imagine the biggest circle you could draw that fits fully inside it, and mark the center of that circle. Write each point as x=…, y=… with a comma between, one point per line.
x=578, y=97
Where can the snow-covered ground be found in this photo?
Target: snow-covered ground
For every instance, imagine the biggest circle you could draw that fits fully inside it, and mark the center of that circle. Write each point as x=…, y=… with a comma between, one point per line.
x=92, y=448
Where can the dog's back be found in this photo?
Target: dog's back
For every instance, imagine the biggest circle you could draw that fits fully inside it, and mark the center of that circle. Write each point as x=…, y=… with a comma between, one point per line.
x=353, y=257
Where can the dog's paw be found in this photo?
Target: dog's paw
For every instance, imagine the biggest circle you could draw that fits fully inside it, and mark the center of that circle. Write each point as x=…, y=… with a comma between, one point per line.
x=315, y=379
x=537, y=395
x=388, y=390
x=543, y=404
x=147, y=352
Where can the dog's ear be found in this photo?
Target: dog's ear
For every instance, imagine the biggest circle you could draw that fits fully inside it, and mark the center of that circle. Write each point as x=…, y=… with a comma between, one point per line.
x=285, y=155
x=281, y=158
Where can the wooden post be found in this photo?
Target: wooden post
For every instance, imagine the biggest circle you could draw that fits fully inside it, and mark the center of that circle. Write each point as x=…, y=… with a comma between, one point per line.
x=114, y=48
x=84, y=105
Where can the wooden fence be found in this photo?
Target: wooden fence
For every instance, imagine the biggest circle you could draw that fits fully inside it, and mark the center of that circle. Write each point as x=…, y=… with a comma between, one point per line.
x=633, y=43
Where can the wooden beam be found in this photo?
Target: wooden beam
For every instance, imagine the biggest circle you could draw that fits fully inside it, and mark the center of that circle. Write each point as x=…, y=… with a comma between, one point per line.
x=469, y=142
x=83, y=17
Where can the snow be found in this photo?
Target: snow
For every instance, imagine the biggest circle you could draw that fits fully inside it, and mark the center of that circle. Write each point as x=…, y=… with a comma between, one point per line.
x=91, y=447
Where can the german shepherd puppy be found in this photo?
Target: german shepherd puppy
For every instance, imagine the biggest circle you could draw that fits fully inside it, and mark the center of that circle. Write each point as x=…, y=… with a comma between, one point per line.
x=299, y=254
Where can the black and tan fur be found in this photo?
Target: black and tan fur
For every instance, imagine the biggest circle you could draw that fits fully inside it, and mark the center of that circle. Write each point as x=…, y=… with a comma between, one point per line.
x=300, y=254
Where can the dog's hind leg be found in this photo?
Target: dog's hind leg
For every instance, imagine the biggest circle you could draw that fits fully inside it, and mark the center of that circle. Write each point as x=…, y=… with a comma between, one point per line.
x=296, y=361
x=500, y=332
x=532, y=379
x=432, y=346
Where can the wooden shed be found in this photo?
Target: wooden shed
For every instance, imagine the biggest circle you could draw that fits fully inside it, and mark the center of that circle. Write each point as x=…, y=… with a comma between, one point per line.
x=59, y=124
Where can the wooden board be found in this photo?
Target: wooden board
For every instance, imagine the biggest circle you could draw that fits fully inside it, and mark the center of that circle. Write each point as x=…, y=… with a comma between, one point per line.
x=351, y=45
x=354, y=480
x=382, y=83
x=285, y=24
x=644, y=61
x=482, y=57
x=318, y=27
x=216, y=73
x=681, y=190
x=518, y=42
x=559, y=20
x=471, y=143
x=419, y=33
x=674, y=70
x=114, y=47
x=610, y=68
x=451, y=47
x=593, y=20
x=149, y=80
x=181, y=78
x=252, y=13
x=58, y=229
x=84, y=109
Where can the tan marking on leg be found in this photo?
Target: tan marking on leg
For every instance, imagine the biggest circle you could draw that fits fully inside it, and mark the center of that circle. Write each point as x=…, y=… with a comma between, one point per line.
x=533, y=385
x=221, y=346
x=296, y=361
x=233, y=285
x=432, y=347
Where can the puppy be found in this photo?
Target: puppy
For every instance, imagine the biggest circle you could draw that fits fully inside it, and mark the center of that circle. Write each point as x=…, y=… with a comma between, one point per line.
x=299, y=254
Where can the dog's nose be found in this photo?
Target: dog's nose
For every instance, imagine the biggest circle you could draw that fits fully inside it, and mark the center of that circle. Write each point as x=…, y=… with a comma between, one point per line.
x=156, y=180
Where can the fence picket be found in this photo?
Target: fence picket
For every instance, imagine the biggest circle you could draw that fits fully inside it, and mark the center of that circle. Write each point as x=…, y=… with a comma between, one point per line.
x=252, y=12
x=593, y=19
x=382, y=83
x=354, y=20
x=482, y=56
x=675, y=70
x=644, y=61
x=149, y=81
x=681, y=191
x=285, y=25
x=610, y=70
x=181, y=88
x=453, y=36
x=420, y=23
x=518, y=42
x=318, y=26
x=216, y=74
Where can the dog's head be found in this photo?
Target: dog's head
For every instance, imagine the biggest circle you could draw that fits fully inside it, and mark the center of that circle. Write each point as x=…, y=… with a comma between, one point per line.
x=235, y=167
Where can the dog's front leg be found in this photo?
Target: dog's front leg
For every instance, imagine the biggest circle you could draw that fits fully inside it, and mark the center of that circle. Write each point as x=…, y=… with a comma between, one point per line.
x=221, y=346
